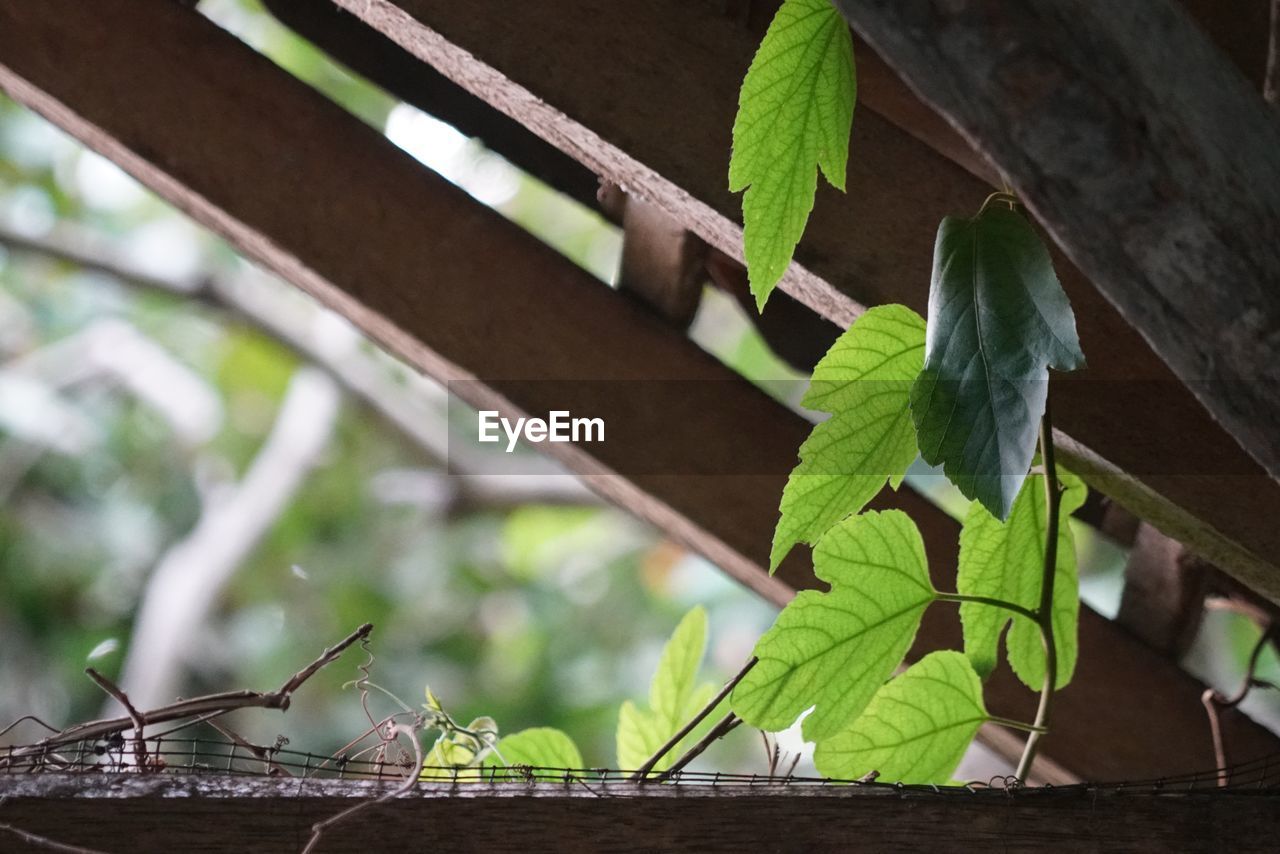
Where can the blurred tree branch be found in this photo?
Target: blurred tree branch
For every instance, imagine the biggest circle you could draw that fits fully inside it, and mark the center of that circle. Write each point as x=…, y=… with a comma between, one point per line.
x=412, y=404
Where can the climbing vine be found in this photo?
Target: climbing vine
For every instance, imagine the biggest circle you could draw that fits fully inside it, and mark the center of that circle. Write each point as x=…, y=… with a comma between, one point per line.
x=967, y=391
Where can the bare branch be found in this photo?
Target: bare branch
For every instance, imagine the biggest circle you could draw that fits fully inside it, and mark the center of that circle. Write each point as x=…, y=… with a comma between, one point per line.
x=410, y=780
x=209, y=704
x=44, y=842
x=139, y=725
x=643, y=770
x=723, y=727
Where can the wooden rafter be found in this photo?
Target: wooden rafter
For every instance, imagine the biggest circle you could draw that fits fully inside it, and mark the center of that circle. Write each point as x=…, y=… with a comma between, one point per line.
x=165, y=813
x=646, y=98
x=1153, y=161
x=463, y=295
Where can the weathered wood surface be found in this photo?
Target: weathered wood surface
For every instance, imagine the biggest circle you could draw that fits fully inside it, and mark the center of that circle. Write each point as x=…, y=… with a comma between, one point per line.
x=210, y=813
x=366, y=52
x=329, y=204
x=1150, y=158
x=646, y=97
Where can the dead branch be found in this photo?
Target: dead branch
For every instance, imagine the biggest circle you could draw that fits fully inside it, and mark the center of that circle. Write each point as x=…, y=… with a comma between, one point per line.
x=410, y=780
x=723, y=727
x=37, y=841
x=643, y=771
x=1214, y=701
x=215, y=704
x=139, y=725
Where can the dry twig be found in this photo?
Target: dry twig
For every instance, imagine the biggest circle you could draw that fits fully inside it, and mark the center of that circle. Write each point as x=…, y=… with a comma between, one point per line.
x=210, y=704
x=1214, y=701
x=411, y=780
x=139, y=725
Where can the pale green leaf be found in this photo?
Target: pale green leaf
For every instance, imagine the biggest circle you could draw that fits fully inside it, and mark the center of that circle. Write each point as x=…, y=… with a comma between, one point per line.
x=794, y=113
x=674, y=697
x=639, y=735
x=539, y=747
x=1005, y=560
x=677, y=673
x=865, y=379
x=915, y=730
x=998, y=320
x=456, y=751
x=833, y=650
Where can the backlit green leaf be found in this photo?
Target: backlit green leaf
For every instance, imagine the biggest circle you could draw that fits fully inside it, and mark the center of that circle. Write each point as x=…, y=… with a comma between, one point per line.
x=1005, y=560
x=794, y=112
x=998, y=319
x=865, y=379
x=456, y=751
x=674, y=697
x=539, y=747
x=833, y=650
x=915, y=730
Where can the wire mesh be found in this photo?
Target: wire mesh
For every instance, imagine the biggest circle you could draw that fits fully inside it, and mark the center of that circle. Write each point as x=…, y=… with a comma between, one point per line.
x=178, y=753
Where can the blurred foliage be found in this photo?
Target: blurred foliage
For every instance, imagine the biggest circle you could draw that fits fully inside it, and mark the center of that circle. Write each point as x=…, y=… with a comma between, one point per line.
x=539, y=616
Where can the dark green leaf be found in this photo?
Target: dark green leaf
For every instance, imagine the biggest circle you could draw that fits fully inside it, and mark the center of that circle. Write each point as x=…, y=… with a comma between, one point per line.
x=998, y=319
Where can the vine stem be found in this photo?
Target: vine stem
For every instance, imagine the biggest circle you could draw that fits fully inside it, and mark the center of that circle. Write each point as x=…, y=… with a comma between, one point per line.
x=726, y=725
x=643, y=771
x=1044, y=612
x=1019, y=725
x=987, y=600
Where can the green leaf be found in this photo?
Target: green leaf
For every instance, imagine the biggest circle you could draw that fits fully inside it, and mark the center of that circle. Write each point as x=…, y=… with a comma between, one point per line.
x=794, y=113
x=917, y=728
x=674, y=697
x=539, y=747
x=833, y=650
x=675, y=680
x=865, y=379
x=1005, y=560
x=458, y=750
x=998, y=319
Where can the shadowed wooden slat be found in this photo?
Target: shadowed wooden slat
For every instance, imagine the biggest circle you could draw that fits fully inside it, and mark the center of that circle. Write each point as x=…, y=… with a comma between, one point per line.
x=460, y=293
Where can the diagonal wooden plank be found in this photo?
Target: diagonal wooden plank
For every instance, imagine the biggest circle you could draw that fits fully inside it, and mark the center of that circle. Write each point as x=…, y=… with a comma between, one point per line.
x=646, y=97
x=1154, y=162
x=462, y=294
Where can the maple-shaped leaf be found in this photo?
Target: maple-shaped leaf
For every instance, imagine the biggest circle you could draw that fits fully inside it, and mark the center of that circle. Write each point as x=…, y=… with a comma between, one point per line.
x=794, y=113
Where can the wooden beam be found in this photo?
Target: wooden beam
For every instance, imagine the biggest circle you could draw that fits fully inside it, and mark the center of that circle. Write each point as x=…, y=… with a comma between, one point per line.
x=165, y=812
x=1153, y=161
x=646, y=98
x=460, y=293
x=373, y=56
x=1164, y=590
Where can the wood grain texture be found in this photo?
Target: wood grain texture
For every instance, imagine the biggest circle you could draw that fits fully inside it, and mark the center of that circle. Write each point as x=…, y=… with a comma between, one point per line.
x=646, y=97
x=308, y=191
x=1147, y=154
x=375, y=57
x=195, y=814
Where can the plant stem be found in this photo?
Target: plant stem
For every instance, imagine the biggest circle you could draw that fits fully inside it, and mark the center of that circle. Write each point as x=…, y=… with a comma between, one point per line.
x=725, y=726
x=1044, y=612
x=1019, y=725
x=643, y=771
x=995, y=603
